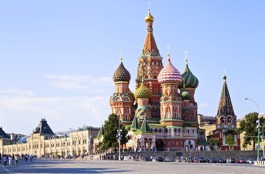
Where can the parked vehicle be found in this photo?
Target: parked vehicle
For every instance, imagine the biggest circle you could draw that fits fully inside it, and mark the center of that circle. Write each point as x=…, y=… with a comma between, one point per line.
x=212, y=160
x=221, y=160
x=167, y=159
x=159, y=158
x=201, y=159
x=241, y=160
x=232, y=160
x=250, y=161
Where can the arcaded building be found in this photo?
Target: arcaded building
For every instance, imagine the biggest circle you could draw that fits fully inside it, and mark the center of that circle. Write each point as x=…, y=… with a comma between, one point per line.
x=44, y=142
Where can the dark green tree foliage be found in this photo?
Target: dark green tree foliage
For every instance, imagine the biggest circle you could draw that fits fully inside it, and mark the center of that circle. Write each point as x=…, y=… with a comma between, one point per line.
x=230, y=140
x=110, y=138
x=214, y=142
x=249, y=126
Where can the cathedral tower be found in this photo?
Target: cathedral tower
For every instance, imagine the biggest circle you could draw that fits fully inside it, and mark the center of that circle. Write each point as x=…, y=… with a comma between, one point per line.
x=121, y=102
x=226, y=118
x=149, y=66
x=170, y=102
x=188, y=87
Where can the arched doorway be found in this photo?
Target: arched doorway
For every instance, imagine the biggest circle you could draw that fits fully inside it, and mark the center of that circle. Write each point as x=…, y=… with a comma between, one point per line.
x=160, y=145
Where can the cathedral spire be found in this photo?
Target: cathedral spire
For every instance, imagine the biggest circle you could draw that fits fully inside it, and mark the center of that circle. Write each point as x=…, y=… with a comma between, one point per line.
x=225, y=107
x=150, y=48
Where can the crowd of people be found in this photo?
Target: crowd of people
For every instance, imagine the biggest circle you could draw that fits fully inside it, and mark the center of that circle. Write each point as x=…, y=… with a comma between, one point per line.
x=14, y=158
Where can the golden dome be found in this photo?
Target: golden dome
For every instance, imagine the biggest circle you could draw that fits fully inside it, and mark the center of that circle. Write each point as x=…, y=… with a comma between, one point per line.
x=149, y=17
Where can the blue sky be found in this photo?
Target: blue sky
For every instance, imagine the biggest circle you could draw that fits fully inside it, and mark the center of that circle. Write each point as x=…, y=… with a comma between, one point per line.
x=57, y=58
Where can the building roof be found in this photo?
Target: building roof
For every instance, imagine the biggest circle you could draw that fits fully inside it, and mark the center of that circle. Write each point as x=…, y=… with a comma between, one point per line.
x=121, y=74
x=145, y=128
x=150, y=48
x=188, y=79
x=169, y=74
x=225, y=104
x=3, y=134
x=134, y=124
x=43, y=128
x=142, y=92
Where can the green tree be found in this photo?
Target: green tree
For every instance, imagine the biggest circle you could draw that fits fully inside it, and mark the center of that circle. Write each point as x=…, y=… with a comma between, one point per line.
x=248, y=126
x=230, y=141
x=214, y=142
x=110, y=138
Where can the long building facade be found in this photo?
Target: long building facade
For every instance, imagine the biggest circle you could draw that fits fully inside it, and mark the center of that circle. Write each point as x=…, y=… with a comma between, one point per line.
x=43, y=142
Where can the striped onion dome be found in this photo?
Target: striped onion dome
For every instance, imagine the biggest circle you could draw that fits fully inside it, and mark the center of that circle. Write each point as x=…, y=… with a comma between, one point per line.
x=142, y=92
x=169, y=74
x=189, y=79
x=121, y=74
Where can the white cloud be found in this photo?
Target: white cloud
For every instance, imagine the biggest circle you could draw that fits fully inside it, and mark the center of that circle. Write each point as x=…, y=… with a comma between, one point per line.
x=16, y=92
x=22, y=114
x=79, y=82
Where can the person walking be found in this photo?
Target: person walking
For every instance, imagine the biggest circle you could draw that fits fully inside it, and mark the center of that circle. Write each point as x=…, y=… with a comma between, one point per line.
x=31, y=157
x=10, y=159
x=5, y=160
x=26, y=157
x=16, y=160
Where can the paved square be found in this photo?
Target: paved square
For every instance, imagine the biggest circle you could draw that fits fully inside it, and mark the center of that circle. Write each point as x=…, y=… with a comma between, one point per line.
x=105, y=166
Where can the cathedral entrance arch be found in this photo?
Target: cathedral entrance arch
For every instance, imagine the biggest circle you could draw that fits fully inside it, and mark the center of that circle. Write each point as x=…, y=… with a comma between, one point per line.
x=160, y=145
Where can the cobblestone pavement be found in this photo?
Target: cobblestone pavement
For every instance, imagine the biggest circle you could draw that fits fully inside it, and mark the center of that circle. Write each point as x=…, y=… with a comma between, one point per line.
x=121, y=167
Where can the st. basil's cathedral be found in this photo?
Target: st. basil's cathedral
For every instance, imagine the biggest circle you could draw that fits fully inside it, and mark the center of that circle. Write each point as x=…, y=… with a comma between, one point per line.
x=161, y=114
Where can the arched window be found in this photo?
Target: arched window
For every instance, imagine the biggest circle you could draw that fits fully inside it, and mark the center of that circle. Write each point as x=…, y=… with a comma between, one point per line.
x=222, y=120
x=156, y=91
x=229, y=119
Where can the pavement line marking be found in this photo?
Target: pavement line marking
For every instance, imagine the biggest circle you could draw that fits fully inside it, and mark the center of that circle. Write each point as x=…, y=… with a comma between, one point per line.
x=99, y=171
x=5, y=169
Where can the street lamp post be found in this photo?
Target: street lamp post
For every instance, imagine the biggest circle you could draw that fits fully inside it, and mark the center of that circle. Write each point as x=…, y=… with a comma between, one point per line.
x=258, y=127
x=119, y=138
x=263, y=155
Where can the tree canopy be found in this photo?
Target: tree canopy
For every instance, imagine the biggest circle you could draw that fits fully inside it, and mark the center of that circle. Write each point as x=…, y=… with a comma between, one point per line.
x=110, y=136
x=230, y=140
x=214, y=142
x=249, y=126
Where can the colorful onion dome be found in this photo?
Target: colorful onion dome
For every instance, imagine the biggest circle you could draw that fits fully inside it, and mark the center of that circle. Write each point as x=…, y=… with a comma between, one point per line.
x=169, y=74
x=121, y=74
x=149, y=17
x=185, y=95
x=143, y=92
x=189, y=79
